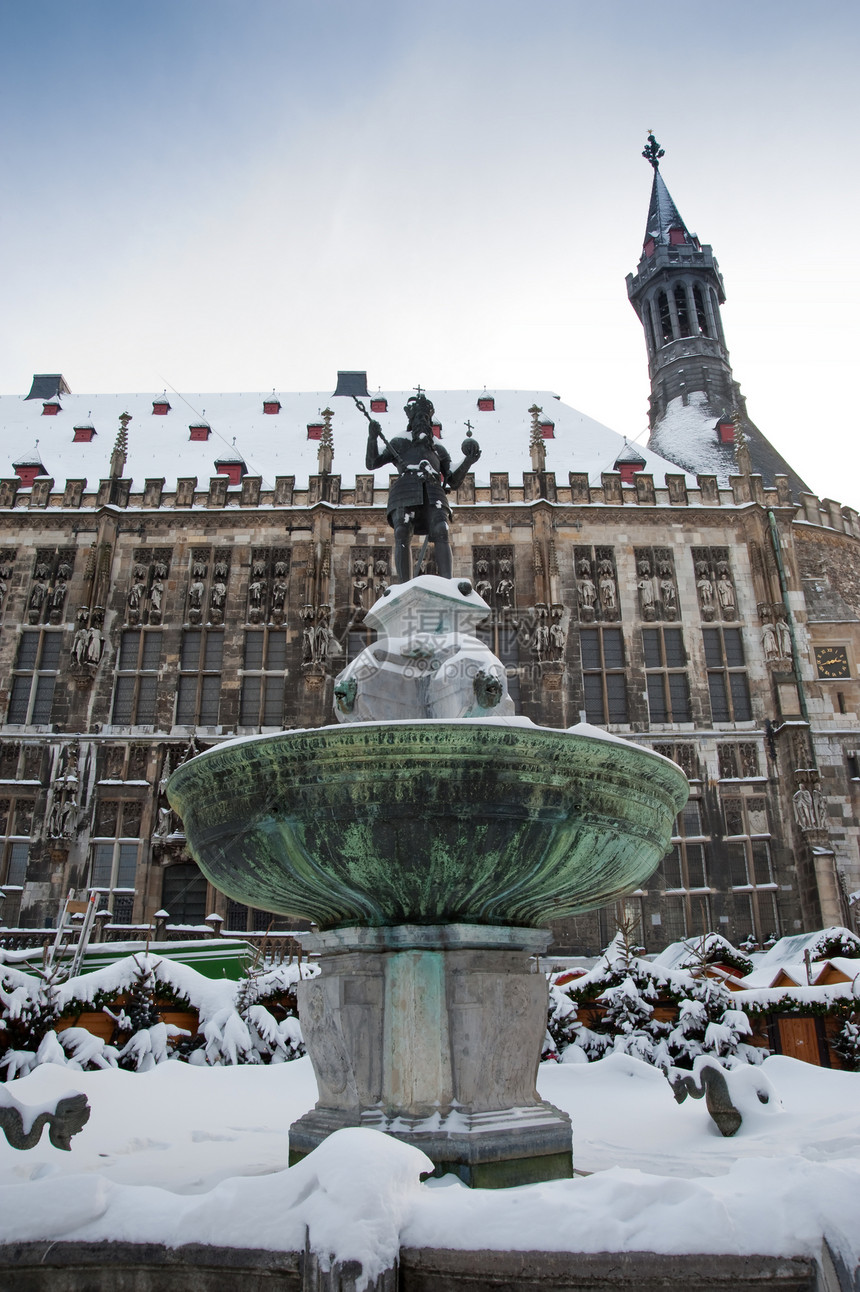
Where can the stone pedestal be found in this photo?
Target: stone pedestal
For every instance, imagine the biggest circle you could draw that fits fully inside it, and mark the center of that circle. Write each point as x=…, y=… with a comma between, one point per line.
x=433, y=1034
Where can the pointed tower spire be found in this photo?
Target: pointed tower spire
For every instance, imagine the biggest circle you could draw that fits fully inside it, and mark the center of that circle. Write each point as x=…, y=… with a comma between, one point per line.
x=677, y=292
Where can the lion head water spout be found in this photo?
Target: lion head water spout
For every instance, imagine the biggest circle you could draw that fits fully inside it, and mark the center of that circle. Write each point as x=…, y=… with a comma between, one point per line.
x=431, y=836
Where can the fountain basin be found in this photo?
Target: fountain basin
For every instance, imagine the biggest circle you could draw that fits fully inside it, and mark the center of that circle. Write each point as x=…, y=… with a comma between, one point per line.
x=488, y=821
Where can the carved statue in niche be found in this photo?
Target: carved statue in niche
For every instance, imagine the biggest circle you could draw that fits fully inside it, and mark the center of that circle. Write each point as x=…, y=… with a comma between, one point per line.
x=608, y=592
x=586, y=592
x=726, y=595
x=324, y=643
x=669, y=598
x=645, y=588
x=359, y=568
x=64, y=807
x=804, y=808
x=195, y=594
x=705, y=589
x=783, y=634
x=165, y=818
x=484, y=588
x=57, y=601
x=217, y=600
x=770, y=643
x=280, y=570
x=540, y=639
x=3, y=585
x=505, y=586
x=78, y=648
x=557, y=633
x=258, y=568
x=42, y=571
x=819, y=809
x=95, y=645
x=279, y=595
x=307, y=613
x=159, y=570
x=382, y=587
x=64, y=571
x=198, y=569
x=156, y=596
x=380, y=567
x=37, y=600
x=359, y=589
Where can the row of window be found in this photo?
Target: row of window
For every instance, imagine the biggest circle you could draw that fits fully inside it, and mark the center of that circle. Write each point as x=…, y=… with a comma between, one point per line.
x=262, y=697
x=668, y=688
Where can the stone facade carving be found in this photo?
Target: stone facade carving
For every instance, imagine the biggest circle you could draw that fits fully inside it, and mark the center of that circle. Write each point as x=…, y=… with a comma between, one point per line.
x=596, y=584
x=63, y=814
x=7, y=561
x=775, y=636
x=46, y=599
x=493, y=577
x=656, y=586
x=146, y=589
x=714, y=583
x=268, y=586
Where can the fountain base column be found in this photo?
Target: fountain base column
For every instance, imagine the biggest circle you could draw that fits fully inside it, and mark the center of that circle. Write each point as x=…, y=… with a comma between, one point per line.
x=433, y=1034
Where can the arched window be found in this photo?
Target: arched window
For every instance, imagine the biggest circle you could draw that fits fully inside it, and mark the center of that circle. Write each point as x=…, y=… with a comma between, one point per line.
x=701, y=316
x=650, y=334
x=715, y=309
x=665, y=318
x=183, y=894
x=681, y=309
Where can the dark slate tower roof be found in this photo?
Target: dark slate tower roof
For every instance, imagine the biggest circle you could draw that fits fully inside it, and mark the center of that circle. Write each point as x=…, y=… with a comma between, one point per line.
x=47, y=385
x=663, y=214
x=677, y=292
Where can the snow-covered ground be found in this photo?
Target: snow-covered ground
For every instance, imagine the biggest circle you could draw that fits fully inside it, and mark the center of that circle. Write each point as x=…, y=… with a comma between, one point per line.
x=185, y=1154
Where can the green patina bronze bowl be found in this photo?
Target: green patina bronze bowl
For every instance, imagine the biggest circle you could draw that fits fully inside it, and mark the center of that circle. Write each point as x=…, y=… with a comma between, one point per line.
x=478, y=822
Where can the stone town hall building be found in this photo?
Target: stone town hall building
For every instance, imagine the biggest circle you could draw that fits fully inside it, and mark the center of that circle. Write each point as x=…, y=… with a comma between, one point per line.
x=176, y=570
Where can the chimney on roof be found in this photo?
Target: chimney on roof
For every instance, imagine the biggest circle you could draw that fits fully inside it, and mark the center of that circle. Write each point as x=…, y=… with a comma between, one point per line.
x=48, y=385
x=352, y=384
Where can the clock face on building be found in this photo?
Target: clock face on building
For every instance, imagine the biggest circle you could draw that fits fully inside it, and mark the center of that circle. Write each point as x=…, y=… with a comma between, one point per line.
x=832, y=661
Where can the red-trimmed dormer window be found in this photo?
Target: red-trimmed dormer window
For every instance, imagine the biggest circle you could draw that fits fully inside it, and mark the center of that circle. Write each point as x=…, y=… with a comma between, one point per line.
x=199, y=431
x=271, y=405
x=83, y=434
x=315, y=430
x=232, y=470
x=676, y=238
x=486, y=404
x=379, y=404
x=160, y=407
x=627, y=471
x=547, y=428
x=28, y=472
x=726, y=432
x=437, y=430
x=648, y=249
x=51, y=407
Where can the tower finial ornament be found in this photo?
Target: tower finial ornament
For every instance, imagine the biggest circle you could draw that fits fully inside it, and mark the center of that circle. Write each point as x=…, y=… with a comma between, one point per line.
x=652, y=152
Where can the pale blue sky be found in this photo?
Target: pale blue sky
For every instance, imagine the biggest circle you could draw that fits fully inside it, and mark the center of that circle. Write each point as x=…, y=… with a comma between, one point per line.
x=242, y=196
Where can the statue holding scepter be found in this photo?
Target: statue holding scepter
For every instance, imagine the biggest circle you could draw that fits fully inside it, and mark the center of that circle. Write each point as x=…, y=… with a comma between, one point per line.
x=418, y=500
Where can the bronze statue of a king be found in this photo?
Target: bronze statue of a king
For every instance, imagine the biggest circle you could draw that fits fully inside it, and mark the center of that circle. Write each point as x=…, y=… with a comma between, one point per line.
x=418, y=499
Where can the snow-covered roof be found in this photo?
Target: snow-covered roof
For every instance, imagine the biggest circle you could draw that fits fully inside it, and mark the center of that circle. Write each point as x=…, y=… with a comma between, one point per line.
x=277, y=444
